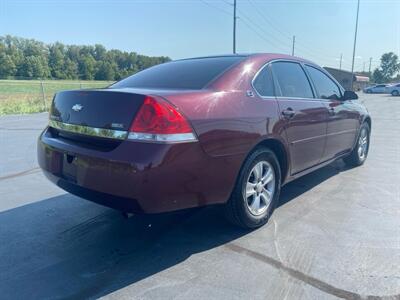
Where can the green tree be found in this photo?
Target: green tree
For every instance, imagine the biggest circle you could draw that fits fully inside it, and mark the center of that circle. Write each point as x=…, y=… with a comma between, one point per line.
x=35, y=67
x=105, y=71
x=70, y=69
x=29, y=58
x=377, y=76
x=389, y=67
x=57, y=61
x=87, y=67
x=7, y=66
x=99, y=52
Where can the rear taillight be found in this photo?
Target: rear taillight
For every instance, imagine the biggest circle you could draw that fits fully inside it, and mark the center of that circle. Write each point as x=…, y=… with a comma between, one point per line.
x=159, y=121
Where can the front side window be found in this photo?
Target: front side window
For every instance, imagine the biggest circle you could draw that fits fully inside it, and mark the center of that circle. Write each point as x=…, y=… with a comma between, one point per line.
x=326, y=88
x=263, y=83
x=292, y=80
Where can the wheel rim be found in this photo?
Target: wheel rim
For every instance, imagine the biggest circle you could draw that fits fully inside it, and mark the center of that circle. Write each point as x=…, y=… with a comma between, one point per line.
x=363, y=144
x=260, y=188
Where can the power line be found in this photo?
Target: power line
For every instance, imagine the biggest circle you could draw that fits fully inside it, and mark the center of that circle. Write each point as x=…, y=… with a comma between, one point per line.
x=216, y=7
x=263, y=34
x=286, y=45
x=285, y=34
x=250, y=27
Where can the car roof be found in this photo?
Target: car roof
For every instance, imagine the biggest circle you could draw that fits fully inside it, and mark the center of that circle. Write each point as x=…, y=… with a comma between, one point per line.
x=265, y=56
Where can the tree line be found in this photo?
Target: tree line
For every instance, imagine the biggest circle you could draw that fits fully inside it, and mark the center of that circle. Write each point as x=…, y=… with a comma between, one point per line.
x=32, y=59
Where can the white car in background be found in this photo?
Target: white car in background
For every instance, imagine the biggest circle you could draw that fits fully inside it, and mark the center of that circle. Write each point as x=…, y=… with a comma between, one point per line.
x=375, y=89
x=393, y=89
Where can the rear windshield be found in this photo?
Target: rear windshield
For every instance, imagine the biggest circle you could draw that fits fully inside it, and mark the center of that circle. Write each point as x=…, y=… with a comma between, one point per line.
x=180, y=74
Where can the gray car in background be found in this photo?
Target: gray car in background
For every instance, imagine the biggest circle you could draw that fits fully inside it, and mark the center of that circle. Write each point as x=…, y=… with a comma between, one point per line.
x=393, y=89
x=376, y=89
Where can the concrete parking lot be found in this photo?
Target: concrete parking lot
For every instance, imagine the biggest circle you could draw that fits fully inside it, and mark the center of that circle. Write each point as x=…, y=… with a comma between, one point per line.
x=335, y=234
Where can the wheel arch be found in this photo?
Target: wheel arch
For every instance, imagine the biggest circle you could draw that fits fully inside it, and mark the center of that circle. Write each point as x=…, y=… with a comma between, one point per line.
x=367, y=119
x=279, y=150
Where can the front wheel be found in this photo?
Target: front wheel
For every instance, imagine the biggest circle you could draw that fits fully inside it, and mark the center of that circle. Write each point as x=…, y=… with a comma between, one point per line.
x=395, y=93
x=256, y=191
x=360, y=152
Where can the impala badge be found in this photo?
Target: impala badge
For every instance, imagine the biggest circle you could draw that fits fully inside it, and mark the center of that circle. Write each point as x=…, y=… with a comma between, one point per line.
x=77, y=107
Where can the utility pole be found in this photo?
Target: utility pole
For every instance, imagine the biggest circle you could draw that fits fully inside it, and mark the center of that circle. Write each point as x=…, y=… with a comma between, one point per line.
x=364, y=66
x=294, y=42
x=354, y=46
x=341, y=58
x=369, y=69
x=234, y=26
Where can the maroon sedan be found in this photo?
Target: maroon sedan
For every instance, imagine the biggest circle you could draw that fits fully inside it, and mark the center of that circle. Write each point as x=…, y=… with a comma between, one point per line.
x=215, y=130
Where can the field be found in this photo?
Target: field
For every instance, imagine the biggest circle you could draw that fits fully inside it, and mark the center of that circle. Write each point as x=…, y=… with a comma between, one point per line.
x=29, y=96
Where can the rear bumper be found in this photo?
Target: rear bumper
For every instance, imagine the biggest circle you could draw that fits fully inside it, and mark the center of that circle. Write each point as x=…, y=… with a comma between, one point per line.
x=137, y=176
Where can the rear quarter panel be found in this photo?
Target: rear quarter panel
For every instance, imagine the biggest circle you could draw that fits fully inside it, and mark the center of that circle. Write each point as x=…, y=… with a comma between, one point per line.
x=230, y=122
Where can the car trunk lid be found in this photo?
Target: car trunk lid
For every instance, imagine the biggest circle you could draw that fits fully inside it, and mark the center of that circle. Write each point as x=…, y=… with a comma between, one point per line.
x=106, y=109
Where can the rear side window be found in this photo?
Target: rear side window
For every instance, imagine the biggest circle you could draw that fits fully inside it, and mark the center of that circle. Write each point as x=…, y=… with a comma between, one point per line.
x=180, y=74
x=326, y=88
x=263, y=83
x=292, y=80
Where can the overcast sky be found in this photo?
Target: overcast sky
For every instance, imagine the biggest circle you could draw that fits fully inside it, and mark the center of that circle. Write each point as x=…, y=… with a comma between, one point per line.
x=324, y=29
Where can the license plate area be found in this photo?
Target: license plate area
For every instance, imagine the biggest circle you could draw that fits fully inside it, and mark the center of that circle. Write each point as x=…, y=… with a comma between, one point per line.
x=69, y=167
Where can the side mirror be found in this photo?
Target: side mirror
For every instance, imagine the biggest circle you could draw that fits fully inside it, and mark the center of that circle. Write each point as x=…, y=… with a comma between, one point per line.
x=349, y=95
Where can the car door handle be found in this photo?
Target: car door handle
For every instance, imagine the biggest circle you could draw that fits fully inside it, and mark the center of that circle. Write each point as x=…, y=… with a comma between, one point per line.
x=288, y=113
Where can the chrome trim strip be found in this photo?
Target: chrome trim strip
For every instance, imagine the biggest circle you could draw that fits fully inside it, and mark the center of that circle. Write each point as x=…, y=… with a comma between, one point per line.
x=323, y=136
x=91, y=131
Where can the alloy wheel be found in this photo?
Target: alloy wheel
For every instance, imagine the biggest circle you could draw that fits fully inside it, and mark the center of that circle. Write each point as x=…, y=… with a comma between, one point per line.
x=260, y=188
x=363, y=144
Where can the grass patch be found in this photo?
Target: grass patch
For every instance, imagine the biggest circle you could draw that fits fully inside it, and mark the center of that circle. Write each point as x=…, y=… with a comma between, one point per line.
x=25, y=96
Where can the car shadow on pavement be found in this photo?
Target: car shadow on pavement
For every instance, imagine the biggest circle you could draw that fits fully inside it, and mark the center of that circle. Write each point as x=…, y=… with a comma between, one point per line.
x=65, y=247
x=299, y=186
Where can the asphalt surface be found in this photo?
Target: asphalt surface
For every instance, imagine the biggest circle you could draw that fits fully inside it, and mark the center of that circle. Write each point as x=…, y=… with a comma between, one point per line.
x=336, y=234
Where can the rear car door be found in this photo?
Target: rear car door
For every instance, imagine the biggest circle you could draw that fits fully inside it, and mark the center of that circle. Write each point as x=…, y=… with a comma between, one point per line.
x=343, y=118
x=304, y=117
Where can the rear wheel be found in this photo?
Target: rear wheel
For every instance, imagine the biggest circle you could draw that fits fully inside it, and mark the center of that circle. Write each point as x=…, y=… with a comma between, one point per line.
x=360, y=152
x=257, y=190
x=395, y=93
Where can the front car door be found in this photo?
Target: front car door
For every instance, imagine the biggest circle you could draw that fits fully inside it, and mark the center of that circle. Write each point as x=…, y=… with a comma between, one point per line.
x=343, y=120
x=380, y=88
x=304, y=116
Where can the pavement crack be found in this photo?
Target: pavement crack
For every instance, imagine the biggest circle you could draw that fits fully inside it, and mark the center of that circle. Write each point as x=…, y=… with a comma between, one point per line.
x=26, y=172
x=20, y=129
x=315, y=282
x=276, y=240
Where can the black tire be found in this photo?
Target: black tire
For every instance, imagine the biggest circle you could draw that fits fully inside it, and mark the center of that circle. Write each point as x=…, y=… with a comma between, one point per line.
x=236, y=209
x=354, y=159
x=395, y=93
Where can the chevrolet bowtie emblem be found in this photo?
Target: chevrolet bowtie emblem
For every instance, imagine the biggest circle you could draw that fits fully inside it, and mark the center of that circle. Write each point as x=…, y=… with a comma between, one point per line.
x=77, y=107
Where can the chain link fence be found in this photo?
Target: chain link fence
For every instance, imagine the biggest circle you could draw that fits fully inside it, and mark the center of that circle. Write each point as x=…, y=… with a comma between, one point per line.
x=30, y=96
